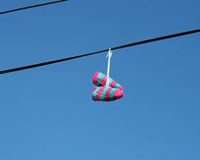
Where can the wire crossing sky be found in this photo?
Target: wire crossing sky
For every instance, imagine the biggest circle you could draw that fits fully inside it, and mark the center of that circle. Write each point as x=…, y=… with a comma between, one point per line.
x=101, y=51
x=33, y=6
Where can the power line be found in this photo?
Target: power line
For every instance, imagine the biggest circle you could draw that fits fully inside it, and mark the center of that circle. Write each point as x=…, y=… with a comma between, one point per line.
x=101, y=51
x=33, y=6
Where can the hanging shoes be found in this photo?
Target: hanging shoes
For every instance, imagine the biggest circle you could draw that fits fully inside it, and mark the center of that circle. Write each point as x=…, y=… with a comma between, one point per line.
x=102, y=93
x=106, y=88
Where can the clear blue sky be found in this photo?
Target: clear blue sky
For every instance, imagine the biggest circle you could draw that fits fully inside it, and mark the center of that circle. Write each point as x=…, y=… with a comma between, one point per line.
x=47, y=113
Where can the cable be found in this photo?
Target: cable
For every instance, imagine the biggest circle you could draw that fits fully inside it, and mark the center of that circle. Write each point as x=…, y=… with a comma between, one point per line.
x=97, y=52
x=33, y=6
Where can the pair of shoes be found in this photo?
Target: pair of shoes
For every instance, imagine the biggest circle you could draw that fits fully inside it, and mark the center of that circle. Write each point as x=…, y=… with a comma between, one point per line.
x=102, y=92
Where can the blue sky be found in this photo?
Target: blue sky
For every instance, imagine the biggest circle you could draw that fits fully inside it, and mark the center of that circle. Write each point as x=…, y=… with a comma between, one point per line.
x=47, y=113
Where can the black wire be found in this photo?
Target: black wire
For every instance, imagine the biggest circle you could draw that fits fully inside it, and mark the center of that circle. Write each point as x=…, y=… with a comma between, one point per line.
x=101, y=51
x=33, y=6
